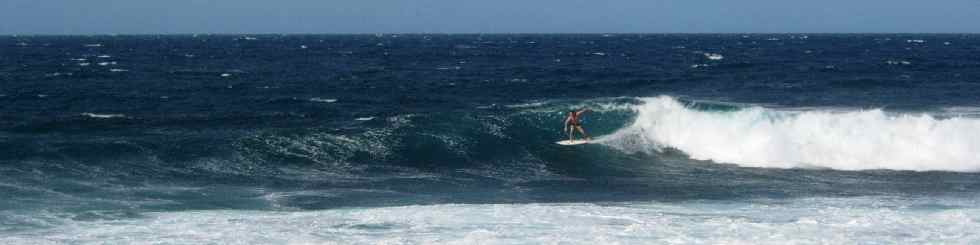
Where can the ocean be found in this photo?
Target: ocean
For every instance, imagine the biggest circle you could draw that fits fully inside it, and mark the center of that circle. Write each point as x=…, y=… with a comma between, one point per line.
x=449, y=139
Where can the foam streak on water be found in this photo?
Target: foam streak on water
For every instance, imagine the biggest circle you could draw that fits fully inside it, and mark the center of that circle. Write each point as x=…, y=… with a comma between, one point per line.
x=845, y=140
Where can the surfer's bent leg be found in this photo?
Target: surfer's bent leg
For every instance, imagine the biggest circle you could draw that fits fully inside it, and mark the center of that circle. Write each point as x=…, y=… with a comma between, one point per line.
x=583, y=132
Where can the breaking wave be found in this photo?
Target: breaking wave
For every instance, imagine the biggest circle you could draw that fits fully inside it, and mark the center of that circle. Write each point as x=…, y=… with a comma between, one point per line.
x=843, y=139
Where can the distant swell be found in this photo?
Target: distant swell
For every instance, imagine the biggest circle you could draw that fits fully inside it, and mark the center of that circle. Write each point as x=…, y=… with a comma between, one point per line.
x=844, y=140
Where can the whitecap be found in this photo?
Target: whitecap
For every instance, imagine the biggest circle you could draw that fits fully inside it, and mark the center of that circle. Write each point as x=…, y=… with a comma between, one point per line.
x=93, y=45
x=898, y=62
x=364, y=118
x=102, y=116
x=712, y=56
x=485, y=107
x=318, y=99
x=526, y=105
x=118, y=70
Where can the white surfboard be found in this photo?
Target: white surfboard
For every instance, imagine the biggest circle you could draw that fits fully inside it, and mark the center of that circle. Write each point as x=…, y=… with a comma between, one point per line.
x=572, y=142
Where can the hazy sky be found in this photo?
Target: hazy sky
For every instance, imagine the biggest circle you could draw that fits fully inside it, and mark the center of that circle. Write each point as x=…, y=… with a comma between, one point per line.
x=486, y=16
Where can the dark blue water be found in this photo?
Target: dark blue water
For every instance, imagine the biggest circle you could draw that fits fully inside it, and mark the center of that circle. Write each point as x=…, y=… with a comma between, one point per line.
x=98, y=129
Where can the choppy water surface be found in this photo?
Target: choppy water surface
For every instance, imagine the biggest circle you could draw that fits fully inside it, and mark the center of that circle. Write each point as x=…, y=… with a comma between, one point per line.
x=449, y=139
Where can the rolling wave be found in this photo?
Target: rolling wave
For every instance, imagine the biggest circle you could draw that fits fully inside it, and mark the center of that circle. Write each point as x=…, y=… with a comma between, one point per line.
x=756, y=136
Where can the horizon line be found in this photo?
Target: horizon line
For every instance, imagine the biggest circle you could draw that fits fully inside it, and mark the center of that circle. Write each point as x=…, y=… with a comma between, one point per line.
x=486, y=33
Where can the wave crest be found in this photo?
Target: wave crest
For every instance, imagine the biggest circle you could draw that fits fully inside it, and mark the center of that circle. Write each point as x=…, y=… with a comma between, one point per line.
x=764, y=137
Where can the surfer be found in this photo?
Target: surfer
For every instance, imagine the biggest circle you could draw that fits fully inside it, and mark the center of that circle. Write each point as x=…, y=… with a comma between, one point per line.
x=574, y=122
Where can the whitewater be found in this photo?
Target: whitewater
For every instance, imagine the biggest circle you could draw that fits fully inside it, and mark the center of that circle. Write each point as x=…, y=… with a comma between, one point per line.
x=837, y=138
x=802, y=221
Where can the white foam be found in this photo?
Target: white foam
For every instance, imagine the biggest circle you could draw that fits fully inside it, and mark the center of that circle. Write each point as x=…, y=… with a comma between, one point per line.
x=712, y=56
x=799, y=221
x=117, y=70
x=526, y=105
x=56, y=74
x=102, y=116
x=318, y=99
x=364, y=118
x=763, y=137
x=899, y=62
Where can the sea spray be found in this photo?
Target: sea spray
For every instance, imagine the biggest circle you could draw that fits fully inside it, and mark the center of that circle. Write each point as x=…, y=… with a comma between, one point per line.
x=846, y=140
